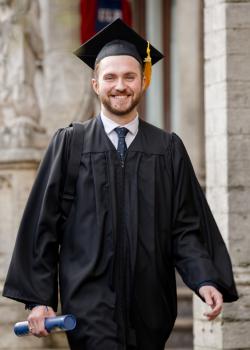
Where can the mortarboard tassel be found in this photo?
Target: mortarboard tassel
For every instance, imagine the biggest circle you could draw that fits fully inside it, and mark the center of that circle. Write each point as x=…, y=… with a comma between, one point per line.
x=147, y=67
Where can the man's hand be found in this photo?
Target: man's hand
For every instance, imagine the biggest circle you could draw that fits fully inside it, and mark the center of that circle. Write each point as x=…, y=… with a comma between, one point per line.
x=36, y=320
x=214, y=299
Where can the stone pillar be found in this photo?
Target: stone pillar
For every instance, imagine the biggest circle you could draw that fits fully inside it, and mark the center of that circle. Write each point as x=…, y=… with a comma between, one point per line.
x=68, y=94
x=16, y=178
x=22, y=141
x=227, y=109
x=187, y=115
x=21, y=53
x=187, y=120
x=154, y=33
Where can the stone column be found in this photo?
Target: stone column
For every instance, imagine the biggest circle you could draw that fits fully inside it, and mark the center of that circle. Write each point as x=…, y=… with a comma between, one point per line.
x=22, y=141
x=21, y=53
x=68, y=94
x=154, y=33
x=227, y=109
x=16, y=178
x=187, y=115
x=187, y=120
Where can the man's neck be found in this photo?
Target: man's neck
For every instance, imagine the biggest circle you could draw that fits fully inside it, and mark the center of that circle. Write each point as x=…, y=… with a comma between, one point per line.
x=121, y=120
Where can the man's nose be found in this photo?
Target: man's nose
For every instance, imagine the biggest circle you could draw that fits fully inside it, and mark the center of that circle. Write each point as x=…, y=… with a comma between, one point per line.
x=120, y=86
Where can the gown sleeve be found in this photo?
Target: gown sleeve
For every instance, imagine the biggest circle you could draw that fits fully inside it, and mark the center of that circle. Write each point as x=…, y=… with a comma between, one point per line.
x=32, y=274
x=199, y=251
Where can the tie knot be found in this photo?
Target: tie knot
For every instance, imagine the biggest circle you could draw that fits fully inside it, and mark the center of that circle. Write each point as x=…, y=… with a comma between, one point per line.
x=121, y=132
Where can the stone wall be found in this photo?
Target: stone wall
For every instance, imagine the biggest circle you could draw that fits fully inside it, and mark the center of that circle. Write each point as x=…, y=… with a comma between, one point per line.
x=227, y=105
x=42, y=87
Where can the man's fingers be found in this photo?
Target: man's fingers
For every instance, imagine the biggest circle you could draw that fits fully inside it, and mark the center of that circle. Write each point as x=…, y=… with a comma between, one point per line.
x=214, y=312
x=41, y=331
x=214, y=299
x=37, y=328
x=216, y=308
x=208, y=298
x=36, y=320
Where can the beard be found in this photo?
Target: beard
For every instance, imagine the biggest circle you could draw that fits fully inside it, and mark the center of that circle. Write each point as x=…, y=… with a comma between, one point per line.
x=120, y=110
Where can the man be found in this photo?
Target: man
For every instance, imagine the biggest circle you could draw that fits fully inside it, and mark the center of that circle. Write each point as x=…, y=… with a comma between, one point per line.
x=138, y=212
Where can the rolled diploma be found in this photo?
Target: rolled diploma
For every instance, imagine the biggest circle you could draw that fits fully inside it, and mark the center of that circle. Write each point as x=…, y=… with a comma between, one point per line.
x=58, y=323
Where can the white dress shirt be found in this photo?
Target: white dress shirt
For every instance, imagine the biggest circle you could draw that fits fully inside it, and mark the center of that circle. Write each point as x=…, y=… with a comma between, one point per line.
x=110, y=125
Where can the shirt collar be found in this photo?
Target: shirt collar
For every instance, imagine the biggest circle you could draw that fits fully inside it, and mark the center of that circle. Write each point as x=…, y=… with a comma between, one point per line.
x=110, y=125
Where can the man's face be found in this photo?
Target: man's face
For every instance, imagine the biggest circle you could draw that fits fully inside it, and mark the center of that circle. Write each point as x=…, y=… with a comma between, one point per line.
x=119, y=84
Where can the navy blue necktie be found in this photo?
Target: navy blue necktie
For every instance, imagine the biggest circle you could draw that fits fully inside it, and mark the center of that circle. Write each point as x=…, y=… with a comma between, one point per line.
x=122, y=147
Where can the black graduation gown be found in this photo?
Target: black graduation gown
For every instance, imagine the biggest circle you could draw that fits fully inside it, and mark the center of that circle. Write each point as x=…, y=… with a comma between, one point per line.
x=166, y=220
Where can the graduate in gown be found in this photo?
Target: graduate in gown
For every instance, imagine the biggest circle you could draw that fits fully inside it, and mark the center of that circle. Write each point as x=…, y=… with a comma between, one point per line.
x=138, y=213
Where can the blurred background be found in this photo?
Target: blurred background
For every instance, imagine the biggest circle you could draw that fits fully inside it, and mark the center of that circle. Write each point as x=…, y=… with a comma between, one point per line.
x=201, y=91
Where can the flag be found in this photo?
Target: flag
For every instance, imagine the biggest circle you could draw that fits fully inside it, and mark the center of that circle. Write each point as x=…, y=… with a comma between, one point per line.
x=96, y=14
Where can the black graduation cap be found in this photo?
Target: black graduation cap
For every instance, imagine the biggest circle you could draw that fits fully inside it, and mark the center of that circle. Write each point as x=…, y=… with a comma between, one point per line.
x=118, y=39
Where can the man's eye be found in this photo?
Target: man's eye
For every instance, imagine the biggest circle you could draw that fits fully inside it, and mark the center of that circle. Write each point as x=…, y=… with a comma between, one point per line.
x=130, y=77
x=109, y=77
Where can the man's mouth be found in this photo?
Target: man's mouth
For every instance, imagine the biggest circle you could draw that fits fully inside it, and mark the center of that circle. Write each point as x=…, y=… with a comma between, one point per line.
x=120, y=97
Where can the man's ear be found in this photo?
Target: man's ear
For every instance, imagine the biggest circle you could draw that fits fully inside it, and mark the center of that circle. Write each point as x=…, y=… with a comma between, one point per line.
x=143, y=82
x=95, y=85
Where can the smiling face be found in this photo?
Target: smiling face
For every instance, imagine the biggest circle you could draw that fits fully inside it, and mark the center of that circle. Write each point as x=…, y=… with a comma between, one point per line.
x=119, y=84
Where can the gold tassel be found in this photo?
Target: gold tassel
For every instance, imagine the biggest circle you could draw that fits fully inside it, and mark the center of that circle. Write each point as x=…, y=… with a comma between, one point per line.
x=147, y=67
